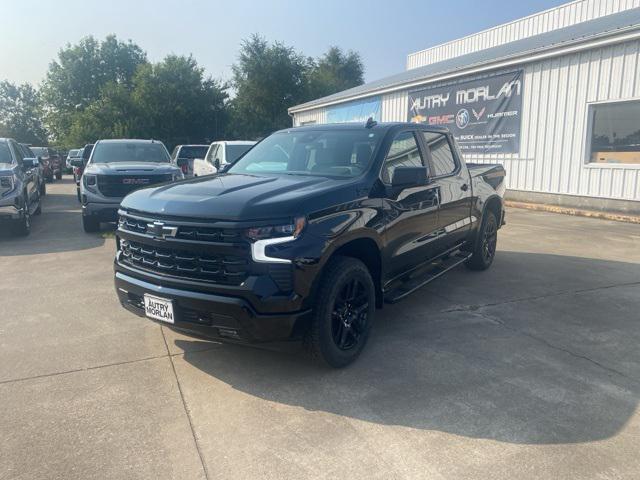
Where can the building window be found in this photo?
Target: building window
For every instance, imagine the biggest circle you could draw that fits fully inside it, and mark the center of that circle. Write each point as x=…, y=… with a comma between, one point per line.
x=615, y=133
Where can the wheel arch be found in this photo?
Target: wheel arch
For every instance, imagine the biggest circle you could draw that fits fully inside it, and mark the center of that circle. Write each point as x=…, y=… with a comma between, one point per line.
x=366, y=249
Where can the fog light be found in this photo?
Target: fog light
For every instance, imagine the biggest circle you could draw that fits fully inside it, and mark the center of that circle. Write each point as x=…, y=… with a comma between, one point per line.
x=229, y=333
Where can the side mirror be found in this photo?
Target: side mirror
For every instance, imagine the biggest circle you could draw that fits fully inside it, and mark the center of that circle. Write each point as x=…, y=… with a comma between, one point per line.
x=29, y=163
x=216, y=163
x=406, y=177
x=77, y=162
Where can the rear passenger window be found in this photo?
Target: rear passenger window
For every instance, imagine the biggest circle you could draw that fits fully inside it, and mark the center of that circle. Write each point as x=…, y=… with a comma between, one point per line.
x=404, y=152
x=441, y=154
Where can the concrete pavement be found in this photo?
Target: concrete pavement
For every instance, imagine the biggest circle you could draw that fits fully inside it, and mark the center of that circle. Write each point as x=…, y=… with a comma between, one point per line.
x=529, y=370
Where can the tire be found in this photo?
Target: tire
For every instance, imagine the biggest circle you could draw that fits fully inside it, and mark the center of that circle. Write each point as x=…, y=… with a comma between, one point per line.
x=484, y=250
x=22, y=227
x=343, y=316
x=43, y=188
x=90, y=224
x=78, y=194
x=59, y=176
x=38, y=210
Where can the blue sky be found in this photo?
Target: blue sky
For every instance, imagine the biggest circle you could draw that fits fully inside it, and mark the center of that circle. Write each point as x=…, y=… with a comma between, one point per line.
x=384, y=32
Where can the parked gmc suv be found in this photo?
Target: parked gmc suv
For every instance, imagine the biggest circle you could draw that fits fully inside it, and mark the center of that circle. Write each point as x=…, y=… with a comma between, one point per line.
x=19, y=189
x=307, y=234
x=116, y=168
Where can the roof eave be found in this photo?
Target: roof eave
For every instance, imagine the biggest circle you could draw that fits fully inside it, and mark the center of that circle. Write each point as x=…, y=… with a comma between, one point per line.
x=631, y=32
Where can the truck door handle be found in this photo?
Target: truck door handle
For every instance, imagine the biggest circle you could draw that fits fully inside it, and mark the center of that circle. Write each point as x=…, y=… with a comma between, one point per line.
x=464, y=187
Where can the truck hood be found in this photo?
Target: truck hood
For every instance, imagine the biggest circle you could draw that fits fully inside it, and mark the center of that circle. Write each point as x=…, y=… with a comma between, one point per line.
x=127, y=168
x=7, y=168
x=241, y=197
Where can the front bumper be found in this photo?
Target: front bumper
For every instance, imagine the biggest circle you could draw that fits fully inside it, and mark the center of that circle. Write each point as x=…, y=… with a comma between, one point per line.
x=209, y=315
x=10, y=212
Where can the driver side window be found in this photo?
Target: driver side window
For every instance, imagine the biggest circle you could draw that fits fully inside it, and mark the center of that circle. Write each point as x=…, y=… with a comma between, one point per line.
x=212, y=154
x=404, y=152
x=17, y=152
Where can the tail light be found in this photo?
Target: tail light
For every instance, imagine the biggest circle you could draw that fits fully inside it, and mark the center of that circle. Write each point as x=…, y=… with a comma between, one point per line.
x=185, y=168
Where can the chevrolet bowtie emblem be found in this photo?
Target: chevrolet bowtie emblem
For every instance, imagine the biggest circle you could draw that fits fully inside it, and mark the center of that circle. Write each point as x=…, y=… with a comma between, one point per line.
x=160, y=230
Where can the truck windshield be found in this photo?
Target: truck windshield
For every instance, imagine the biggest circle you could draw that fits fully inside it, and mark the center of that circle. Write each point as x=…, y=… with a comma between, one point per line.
x=40, y=152
x=193, y=151
x=234, y=152
x=335, y=153
x=111, y=152
x=5, y=154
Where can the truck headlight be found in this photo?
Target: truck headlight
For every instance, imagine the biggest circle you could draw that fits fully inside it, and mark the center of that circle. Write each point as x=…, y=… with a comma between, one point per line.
x=263, y=237
x=7, y=183
x=90, y=181
x=293, y=229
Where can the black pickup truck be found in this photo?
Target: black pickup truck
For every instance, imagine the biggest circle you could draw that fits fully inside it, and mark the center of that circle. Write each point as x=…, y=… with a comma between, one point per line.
x=307, y=234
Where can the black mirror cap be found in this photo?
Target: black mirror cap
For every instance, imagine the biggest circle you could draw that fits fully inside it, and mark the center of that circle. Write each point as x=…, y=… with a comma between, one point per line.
x=410, y=177
x=77, y=162
x=29, y=163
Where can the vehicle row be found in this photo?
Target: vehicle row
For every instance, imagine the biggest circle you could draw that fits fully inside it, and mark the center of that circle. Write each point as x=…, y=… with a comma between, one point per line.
x=22, y=184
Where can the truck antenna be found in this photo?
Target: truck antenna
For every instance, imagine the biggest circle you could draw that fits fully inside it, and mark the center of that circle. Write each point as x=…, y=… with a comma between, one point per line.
x=370, y=123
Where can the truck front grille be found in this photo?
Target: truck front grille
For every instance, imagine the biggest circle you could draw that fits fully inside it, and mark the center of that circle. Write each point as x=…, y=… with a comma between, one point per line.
x=121, y=185
x=184, y=232
x=221, y=269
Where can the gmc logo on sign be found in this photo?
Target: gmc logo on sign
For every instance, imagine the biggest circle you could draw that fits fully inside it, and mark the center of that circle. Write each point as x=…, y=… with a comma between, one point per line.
x=135, y=181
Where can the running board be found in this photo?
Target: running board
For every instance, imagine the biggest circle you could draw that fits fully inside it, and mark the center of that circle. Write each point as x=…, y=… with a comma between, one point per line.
x=435, y=269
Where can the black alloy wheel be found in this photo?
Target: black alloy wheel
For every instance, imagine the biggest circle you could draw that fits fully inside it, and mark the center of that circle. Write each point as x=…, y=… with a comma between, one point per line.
x=343, y=312
x=485, y=248
x=350, y=315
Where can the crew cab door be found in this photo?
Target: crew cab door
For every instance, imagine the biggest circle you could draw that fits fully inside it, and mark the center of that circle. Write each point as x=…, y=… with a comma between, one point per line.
x=411, y=213
x=451, y=177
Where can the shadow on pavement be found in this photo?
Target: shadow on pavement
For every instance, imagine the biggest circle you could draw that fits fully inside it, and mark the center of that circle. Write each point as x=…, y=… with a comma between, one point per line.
x=57, y=229
x=555, y=366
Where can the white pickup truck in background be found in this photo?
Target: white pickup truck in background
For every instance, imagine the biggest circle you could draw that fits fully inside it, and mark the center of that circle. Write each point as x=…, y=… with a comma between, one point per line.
x=220, y=154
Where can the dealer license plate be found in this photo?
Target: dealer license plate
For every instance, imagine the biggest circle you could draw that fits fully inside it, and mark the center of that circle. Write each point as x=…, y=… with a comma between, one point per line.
x=159, y=308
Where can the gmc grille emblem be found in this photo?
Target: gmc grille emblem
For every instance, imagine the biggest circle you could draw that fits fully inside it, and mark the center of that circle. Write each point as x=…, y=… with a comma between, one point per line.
x=160, y=230
x=135, y=181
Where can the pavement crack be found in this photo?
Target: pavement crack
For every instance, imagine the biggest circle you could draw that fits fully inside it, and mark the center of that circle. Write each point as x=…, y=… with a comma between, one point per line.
x=553, y=346
x=77, y=370
x=184, y=405
x=475, y=308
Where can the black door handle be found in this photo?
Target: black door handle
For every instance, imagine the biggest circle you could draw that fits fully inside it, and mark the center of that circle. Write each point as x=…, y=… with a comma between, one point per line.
x=464, y=187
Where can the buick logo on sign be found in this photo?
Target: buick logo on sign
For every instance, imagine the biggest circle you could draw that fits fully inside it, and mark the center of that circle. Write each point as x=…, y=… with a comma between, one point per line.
x=160, y=230
x=462, y=118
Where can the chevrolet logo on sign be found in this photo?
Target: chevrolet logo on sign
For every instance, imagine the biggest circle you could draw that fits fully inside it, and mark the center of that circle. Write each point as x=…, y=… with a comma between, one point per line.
x=160, y=230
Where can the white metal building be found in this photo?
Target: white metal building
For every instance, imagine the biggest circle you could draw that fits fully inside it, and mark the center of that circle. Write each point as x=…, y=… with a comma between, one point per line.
x=555, y=97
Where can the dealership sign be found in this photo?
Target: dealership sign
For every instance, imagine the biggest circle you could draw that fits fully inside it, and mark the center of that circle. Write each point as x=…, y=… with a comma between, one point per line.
x=484, y=115
x=358, y=111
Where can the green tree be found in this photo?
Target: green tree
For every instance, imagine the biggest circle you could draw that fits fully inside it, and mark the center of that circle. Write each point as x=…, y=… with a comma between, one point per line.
x=112, y=115
x=177, y=103
x=20, y=114
x=335, y=71
x=77, y=77
x=170, y=101
x=268, y=79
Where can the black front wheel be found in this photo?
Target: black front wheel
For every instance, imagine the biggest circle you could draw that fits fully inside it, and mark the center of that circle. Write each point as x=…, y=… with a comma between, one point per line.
x=22, y=227
x=485, y=248
x=90, y=224
x=343, y=315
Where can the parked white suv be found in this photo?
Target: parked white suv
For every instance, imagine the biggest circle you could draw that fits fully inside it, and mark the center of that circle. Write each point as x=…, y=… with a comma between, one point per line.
x=219, y=155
